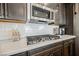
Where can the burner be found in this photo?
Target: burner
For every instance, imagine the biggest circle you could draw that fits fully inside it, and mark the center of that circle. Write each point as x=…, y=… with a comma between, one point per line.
x=36, y=39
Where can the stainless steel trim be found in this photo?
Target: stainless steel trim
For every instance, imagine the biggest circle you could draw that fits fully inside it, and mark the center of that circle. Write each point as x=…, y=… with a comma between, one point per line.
x=28, y=12
x=30, y=17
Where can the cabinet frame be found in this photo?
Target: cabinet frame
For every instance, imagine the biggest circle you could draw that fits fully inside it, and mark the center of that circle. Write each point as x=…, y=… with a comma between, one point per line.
x=4, y=18
x=69, y=46
x=58, y=49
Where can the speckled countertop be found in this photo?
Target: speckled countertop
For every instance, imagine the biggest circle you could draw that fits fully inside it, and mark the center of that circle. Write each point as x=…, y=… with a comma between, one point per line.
x=30, y=47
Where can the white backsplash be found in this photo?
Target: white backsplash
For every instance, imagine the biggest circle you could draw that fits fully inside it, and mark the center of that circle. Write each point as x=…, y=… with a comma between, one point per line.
x=37, y=29
x=27, y=29
x=5, y=29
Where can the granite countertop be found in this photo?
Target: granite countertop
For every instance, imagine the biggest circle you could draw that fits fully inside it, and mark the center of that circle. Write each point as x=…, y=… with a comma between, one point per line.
x=30, y=47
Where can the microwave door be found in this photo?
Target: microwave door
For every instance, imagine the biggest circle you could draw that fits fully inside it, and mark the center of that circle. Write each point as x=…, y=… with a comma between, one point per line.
x=40, y=13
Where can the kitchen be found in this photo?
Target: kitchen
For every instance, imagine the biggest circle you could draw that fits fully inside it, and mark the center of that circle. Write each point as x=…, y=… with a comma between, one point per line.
x=39, y=29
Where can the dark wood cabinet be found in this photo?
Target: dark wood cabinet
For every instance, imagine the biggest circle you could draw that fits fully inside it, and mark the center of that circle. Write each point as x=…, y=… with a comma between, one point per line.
x=69, y=18
x=69, y=49
x=51, y=52
x=15, y=11
x=64, y=48
x=1, y=10
x=72, y=47
x=57, y=51
x=60, y=15
x=64, y=16
x=43, y=53
x=54, y=50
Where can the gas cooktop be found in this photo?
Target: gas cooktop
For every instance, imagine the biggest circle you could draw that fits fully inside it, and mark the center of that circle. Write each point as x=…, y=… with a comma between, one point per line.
x=41, y=38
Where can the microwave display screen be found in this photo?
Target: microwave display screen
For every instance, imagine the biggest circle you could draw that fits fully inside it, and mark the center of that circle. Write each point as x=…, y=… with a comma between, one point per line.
x=41, y=13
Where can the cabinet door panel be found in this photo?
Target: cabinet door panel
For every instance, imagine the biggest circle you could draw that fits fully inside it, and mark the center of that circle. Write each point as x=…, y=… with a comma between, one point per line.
x=60, y=15
x=66, y=51
x=69, y=48
x=72, y=47
x=16, y=11
x=57, y=51
x=44, y=53
x=1, y=10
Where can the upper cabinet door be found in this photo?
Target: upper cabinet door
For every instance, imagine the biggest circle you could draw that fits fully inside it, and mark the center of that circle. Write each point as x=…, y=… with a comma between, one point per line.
x=1, y=10
x=15, y=11
x=60, y=15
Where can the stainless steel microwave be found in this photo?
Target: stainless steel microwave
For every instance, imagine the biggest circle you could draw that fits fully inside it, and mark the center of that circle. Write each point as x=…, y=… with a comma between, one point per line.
x=36, y=12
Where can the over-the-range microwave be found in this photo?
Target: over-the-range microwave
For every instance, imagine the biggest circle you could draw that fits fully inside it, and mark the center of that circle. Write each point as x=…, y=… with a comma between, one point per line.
x=36, y=12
